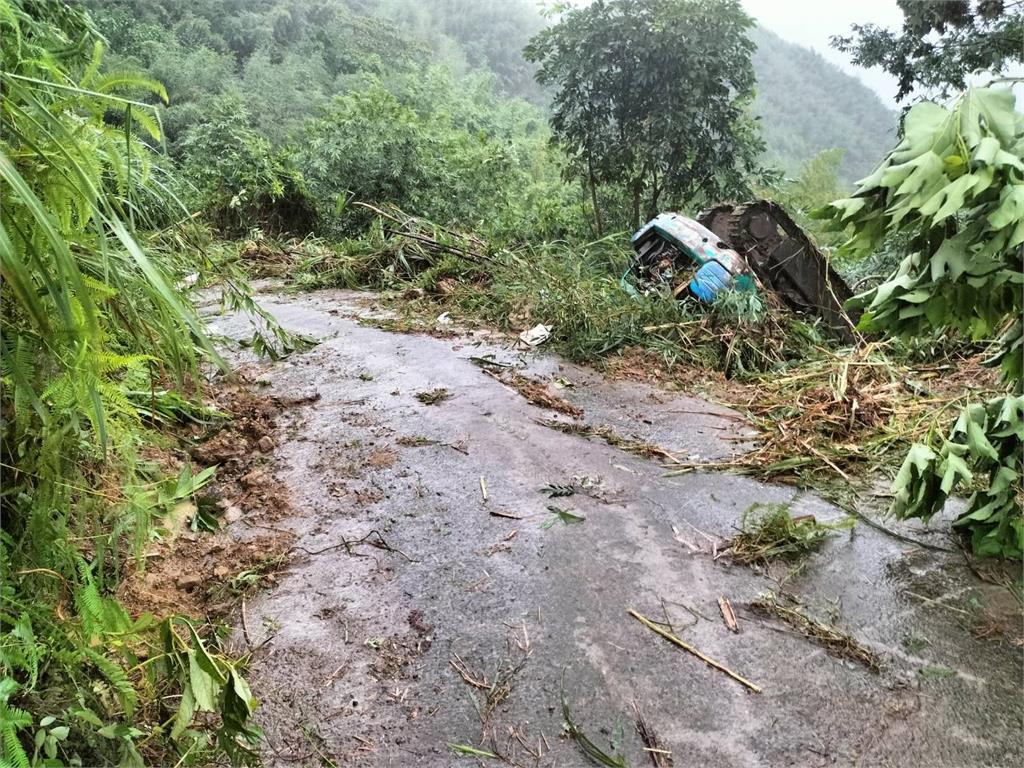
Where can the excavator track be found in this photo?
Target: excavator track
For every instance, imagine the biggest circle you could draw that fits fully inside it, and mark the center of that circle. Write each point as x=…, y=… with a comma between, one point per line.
x=784, y=260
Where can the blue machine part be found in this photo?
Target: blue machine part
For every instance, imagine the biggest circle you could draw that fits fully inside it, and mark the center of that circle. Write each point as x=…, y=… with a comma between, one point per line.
x=696, y=241
x=709, y=281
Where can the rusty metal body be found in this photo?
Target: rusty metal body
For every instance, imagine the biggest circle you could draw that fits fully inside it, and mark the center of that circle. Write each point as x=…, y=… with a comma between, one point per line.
x=729, y=242
x=784, y=260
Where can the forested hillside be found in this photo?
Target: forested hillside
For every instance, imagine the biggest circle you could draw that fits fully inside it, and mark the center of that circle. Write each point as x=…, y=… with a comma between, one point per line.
x=808, y=105
x=289, y=57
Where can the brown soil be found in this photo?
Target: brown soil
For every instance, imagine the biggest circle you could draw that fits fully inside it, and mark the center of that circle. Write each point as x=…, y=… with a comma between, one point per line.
x=381, y=459
x=638, y=364
x=535, y=392
x=194, y=572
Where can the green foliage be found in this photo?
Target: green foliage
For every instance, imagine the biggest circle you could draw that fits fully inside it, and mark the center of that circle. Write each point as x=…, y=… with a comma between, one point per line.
x=86, y=310
x=241, y=182
x=816, y=185
x=575, y=288
x=941, y=44
x=985, y=441
x=768, y=532
x=281, y=62
x=446, y=147
x=953, y=192
x=652, y=97
x=483, y=35
x=284, y=58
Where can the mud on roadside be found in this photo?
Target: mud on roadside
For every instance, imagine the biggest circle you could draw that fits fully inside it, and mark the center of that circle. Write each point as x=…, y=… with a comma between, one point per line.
x=203, y=573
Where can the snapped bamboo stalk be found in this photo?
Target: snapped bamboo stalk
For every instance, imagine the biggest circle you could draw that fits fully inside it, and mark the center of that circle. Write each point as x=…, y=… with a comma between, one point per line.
x=728, y=615
x=690, y=649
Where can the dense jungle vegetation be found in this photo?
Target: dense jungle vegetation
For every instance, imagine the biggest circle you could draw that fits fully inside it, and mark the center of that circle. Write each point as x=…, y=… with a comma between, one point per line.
x=476, y=153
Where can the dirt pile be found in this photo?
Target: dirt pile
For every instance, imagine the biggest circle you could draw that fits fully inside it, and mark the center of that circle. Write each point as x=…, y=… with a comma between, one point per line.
x=201, y=572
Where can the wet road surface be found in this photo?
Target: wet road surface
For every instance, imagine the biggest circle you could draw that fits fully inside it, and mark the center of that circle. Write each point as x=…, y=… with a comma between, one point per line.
x=485, y=609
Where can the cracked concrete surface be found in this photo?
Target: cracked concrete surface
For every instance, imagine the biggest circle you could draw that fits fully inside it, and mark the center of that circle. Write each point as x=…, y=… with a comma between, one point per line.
x=367, y=644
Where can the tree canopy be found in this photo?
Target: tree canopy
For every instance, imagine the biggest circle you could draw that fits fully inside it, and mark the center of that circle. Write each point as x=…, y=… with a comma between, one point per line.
x=941, y=43
x=652, y=96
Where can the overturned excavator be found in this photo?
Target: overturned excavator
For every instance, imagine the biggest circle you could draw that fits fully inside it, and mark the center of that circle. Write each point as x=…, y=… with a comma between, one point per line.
x=727, y=246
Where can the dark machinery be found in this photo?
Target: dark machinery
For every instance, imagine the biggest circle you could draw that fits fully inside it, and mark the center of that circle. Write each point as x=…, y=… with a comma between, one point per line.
x=784, y=260
x=727, y=242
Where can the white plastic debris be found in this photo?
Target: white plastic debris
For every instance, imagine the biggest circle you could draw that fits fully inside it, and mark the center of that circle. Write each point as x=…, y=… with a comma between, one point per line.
x=444, y=319
x=536, y=335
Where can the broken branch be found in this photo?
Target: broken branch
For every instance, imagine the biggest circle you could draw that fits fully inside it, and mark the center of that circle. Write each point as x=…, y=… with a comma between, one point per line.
x=690, y=649
x=728, y=614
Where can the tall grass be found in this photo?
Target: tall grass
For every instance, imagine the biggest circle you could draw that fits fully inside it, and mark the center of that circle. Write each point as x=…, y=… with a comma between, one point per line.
x=87, y=316
x=577, y=289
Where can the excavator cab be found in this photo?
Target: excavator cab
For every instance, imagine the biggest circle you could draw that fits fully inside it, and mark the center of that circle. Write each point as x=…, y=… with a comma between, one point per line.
x=672, y=249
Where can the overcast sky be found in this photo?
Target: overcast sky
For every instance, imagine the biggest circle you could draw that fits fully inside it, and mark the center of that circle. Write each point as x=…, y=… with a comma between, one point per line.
x=812, y=22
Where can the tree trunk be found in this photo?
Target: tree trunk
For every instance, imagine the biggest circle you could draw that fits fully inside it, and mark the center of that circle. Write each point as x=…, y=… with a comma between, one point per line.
x=593, y=197
x=655, y=194
x=636, y=207
x=638, y=191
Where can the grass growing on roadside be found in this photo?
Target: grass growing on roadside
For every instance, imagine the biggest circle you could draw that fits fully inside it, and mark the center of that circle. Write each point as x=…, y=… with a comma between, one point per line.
x=97, y=342
x=835, y=419
x=842, y=419
x=425, y=268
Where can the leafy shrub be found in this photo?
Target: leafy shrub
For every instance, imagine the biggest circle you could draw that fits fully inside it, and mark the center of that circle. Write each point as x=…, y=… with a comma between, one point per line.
x=241, y=183
x=374, y=146
x=950, y=196
x=84, y=309
x=444, y=147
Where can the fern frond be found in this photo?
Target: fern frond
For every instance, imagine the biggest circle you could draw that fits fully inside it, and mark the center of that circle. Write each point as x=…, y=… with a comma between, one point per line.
x=12, y=720
x=114, y=81
x=117, y=678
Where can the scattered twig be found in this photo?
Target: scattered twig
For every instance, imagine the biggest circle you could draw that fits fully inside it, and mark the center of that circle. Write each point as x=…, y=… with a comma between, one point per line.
x=484, y=362
x=245, y=624
x=728, y=615
x=610, y=436
x=837, y=642
x=660, y=757
x=334, y=675
x=826, y=459
x=348, y=544
x=499, y=513
x=460, y=666
x=871, y=523
x=690, y=649
x=938, y=602
x=535, y=392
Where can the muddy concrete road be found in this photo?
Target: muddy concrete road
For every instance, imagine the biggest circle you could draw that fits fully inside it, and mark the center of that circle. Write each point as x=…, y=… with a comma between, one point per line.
x=462, y=610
